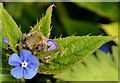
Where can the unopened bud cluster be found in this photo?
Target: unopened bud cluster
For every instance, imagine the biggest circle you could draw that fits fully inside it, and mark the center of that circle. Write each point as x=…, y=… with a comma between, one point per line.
x=35, y=42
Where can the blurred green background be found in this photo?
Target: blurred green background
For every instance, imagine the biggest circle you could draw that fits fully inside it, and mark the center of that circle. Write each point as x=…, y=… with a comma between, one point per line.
x=68, y=18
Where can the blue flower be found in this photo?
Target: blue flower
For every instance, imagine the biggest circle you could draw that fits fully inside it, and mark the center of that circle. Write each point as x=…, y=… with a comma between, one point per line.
x=105, y=48
x=6, y=40
x=26, y=64
x=52, y=44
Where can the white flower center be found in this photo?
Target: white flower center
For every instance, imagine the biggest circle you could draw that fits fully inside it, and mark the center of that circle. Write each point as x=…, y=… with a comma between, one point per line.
x=24, y=64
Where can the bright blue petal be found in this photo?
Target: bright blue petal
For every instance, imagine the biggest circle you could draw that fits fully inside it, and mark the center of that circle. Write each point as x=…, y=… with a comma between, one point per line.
x=54, y=44
x=17, y=72
x=25, y=54
x=33, y=66
x=105, y=48
x=29, y=73
x=6, y=40
x=33, y=62
x=15, y=60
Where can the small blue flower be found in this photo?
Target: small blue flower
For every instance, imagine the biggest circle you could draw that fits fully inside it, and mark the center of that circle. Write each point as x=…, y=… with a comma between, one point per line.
x=53, y=43
x=105, y=48
x=6, y=40
x=26, y=64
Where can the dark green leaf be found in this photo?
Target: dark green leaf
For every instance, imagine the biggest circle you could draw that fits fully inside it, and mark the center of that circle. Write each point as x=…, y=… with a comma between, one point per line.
x=44, y=23
x=75, y=50
x=10, y=28
x=49, y=53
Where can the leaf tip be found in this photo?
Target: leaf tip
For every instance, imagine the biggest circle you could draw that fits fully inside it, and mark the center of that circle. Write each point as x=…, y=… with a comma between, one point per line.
x=50, y=7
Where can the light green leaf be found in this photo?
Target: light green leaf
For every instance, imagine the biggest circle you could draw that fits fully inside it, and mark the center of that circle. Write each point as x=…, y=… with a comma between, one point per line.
x=8, y=78
x=109, y=10
x=75, y=50
x=112, y=29
x=102, y=68
x=117, y=59
x=44, y=23
x=10, y=28
x=2, y=33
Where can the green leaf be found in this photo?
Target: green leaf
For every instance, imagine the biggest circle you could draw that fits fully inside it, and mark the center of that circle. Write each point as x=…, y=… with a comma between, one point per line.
x=102, y=68
x=8, y=78
x=118, y=62
x=45, y=22
x=115, y=52
x=75, y=50
x=6, y=68
x=10, y=28
x=112, y=29
x=2, y=33
x=109, y=10
x=49, y=53
x=26, y=14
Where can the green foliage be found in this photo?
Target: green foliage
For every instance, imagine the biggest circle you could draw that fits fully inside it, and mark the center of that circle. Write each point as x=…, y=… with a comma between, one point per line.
x=75, y=50
x=101, y=8
x=49, y=53
x=118, y=63
x=72, y=50
x=112, y=29
x=2, y=33
x=29, y=12
x=10, y=78
x=102, y=67
x=5, y=68
x=44, y=23
x=10, y=28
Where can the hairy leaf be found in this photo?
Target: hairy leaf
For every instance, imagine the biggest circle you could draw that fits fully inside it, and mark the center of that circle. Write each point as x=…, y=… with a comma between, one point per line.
x=44, y=23
x=2, y=33
x=75, y=50
x=10, y=28
x=49, y=53
x=102, y=68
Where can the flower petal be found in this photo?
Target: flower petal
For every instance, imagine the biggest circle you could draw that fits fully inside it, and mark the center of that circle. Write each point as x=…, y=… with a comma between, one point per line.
x=36, y=68
x=32, y=66
x=105, y=48
x=54, y=44
x=29, y=73
x=14, y=60
x=33, y=62
x=17, y=72
x=25, y=54
x=6, y=40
